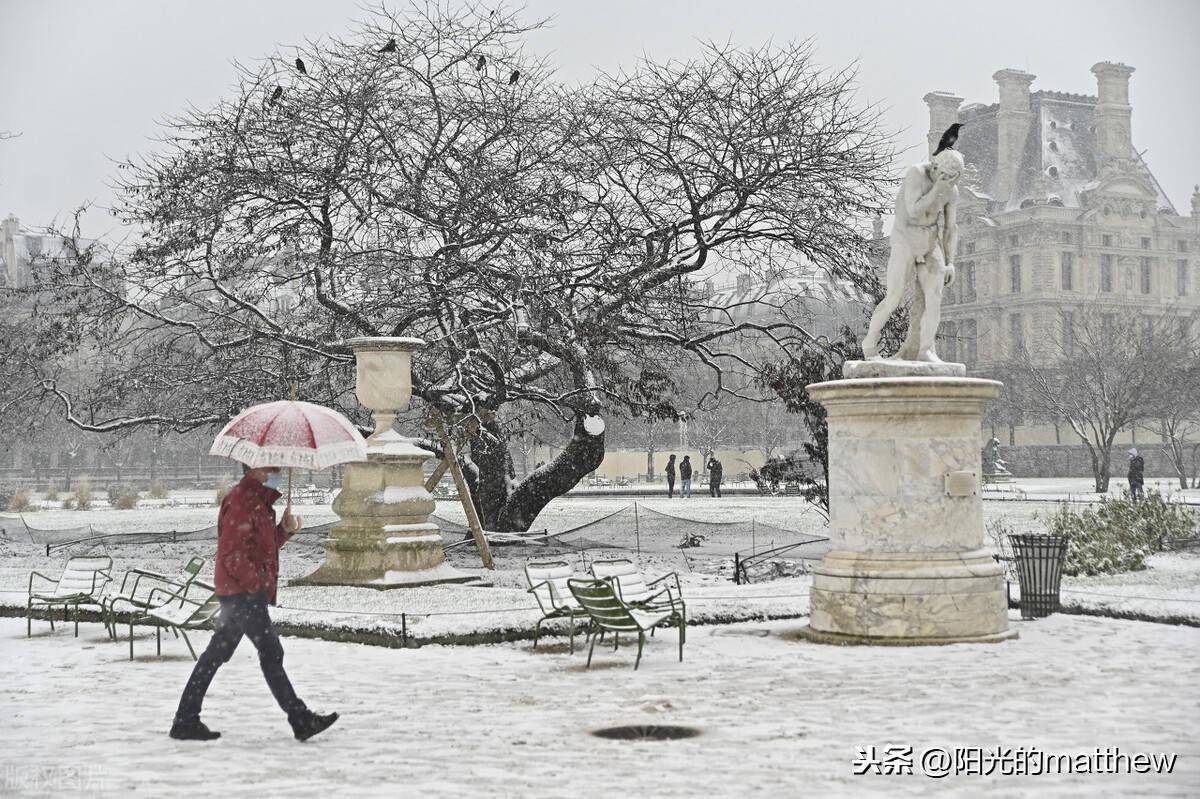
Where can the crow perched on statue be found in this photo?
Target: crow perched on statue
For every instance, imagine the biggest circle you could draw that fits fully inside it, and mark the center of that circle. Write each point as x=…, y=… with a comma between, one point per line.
x=479, y=64
x=275, y=95
x=514, y=77
x=300, y=66
x=948, y=138
x=390, y=47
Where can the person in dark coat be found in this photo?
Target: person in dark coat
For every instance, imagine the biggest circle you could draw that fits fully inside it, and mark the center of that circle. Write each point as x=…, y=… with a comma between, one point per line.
x=1137, y=473
x=247, y=570
x=685, y=477
x=715, y=472
x=670, y=477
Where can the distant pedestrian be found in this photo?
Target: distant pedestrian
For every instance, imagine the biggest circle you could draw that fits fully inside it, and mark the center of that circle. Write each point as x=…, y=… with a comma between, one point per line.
x=715, y=473
x=685, y=477
x=670, y=477
x=1137, y=474
x=247, y=568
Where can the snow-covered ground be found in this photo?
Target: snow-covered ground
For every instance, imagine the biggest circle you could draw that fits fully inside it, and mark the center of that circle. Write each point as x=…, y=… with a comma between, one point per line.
x=780, y=717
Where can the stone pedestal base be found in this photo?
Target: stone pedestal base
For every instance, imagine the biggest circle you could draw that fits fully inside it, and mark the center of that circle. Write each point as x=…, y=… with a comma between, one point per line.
x=385, y=538
x=906, y=516
x=934, y=597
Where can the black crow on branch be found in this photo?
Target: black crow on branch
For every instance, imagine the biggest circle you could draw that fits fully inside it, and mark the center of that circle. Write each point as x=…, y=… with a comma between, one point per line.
x=480, y=63
x=948, y=138
x=300, y=66
x=390, y=47
x=514, y=77
x=275, y=95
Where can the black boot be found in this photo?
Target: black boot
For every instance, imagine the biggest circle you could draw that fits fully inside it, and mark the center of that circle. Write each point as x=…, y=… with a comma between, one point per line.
x=193, y=730
x=309, y=724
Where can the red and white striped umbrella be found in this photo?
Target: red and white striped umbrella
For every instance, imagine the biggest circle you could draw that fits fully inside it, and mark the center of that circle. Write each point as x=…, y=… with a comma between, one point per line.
x=290, y=433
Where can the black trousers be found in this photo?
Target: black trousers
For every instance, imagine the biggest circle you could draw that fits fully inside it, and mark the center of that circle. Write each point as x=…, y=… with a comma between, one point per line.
x=714, y=489
x=670, y=486
x=241, y=615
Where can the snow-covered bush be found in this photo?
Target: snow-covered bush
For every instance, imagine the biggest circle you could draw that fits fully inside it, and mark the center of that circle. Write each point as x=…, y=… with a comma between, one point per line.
x=126, y=497
x=223, y=487
x=83, y=493
x=157, y=490
x=52, y=491
x=1118, y=535
x=19, y=501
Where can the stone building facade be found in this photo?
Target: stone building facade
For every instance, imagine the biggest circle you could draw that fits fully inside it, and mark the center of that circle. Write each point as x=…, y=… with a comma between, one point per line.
x=1058, y=211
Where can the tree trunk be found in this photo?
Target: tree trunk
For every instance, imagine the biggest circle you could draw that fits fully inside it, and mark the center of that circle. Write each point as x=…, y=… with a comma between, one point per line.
x=1099, y=467
x=582, y=455
x=650, y=466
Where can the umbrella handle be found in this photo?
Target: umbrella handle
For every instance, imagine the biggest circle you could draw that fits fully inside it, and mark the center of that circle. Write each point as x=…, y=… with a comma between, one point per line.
x=289, y=503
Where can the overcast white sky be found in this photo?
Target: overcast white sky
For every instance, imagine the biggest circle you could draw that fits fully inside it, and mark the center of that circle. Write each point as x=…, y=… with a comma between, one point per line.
x=85, y=82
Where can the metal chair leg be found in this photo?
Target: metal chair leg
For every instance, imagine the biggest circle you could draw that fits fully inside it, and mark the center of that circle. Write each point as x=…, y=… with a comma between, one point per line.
x=641, y=643
x=76, y=619
x=591, y=649
x=189, y=643
x=537, y=631
x=158, y=638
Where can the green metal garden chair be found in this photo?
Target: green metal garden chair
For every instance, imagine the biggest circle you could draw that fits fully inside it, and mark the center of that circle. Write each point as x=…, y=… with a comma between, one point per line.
x=82, y=582
x=608, y=612
x=136, y=586
x=661, y=593
x=187, y=608
x=548, y=584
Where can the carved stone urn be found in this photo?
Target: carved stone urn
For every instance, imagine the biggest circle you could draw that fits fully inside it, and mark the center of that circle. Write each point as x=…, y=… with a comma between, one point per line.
x=385, y=538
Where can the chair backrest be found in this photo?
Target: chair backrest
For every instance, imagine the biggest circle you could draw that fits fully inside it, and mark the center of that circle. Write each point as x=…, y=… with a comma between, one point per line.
x=191, y=570
x=201, y=605
x=631, y=585
x=548, y=579
x=599, y=598
x=82, y=575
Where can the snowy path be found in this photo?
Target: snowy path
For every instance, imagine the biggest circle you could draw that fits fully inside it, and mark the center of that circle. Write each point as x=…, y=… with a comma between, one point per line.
x=781, y=718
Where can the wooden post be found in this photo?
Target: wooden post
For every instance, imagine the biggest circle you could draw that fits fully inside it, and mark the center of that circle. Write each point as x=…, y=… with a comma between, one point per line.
x=464, y=494
x=440, y=471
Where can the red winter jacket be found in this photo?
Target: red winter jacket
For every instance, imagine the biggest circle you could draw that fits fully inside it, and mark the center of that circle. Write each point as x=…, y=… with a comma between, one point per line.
x=248, y=541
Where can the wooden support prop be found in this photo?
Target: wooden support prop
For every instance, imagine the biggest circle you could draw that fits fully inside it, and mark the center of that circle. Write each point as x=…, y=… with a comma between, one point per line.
x=441, y=468
x=464, y=494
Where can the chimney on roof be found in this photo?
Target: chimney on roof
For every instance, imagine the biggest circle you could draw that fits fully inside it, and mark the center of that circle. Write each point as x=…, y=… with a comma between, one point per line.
x=1012, y=123
x=943, y=112
x=744, y=283
x=1113, y=112
x=1196, y=202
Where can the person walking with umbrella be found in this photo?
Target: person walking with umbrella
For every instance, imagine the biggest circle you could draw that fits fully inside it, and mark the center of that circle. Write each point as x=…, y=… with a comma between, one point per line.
x=264, y=437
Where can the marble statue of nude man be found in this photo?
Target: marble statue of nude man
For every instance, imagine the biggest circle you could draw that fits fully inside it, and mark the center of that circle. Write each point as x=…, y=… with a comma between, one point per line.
x=924, y=238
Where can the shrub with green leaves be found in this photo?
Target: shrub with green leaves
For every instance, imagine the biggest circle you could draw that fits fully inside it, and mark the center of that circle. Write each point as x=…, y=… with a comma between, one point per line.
x=1118, y=534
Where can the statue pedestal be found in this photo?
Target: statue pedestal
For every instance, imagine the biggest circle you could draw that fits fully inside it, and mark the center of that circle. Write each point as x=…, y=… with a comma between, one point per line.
x=385, y=538
x=909, y=564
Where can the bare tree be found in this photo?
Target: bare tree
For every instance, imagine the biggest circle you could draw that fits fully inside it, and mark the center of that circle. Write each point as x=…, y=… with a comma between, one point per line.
x=1176, y=416
x=1105, y=371
x=540, y=239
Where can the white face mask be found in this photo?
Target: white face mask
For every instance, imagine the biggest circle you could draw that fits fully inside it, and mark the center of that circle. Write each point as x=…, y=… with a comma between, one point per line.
x=272, y=481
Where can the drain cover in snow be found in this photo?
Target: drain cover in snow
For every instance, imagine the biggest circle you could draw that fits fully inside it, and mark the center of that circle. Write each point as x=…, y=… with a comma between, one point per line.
x=646, y=732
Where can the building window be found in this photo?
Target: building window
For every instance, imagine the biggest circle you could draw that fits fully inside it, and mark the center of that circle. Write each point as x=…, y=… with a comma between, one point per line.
x=1014, y=273
x=1066, y=237
x=1016, y=334
x=1068, y=271
x=1108, y=322
x=1014, y=240
x=969, y=349
x=1106, y=273
x=1106, y=240
x=1183, y=245
x=1145, y=242
x=1068, y=333
x=1145, y=275
x=971, y=247
x=1181, y=277
x=967, y=278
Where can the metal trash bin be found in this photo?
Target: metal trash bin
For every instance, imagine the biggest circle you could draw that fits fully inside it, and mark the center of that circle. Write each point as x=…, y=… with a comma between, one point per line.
x=1039, y=570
